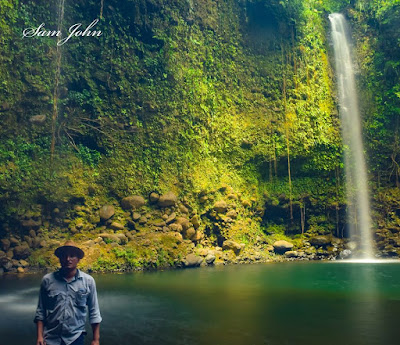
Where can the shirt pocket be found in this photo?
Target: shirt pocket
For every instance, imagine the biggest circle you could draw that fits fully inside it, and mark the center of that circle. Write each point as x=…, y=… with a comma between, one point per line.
x=53, y=299
x=81, y=297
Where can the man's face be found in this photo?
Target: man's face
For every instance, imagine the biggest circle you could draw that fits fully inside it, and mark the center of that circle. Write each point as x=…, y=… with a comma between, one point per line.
x=69, y=260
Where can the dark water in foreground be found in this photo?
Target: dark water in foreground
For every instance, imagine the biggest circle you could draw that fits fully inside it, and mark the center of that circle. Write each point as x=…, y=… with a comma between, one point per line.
x=274, y=304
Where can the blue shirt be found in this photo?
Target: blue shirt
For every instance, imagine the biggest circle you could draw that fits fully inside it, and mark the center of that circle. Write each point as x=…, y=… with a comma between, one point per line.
x=62, y=306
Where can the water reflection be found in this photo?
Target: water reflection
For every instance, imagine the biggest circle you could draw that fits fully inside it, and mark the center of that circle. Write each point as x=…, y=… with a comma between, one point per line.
x=367, y=318
x=277, y=304
x=19, y=301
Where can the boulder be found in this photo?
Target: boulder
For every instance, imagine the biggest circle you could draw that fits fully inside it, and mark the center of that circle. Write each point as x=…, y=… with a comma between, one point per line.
x=29, y=240
x=31, y=224
x=14, y=242
x=123, y=239
x=116, y=226
x=203, y=252
x=136, y=216
x=183, y=208
x=177, y=236
x=176, y=227
x=195, y=221
x=193, y=260
x=229, y=244
x=319, y=241
x=7, y=265
x=203, y=199
x=189, y=233
x=142, y=220
x=269, y=248
x=291, y=254
x=36, y=242
x=108, y=238
x=154, y=197
x=159, y=223
x=5, y=244
x=171, y=218
x=221, y=206
x=106, y=212
x=282, y=246
x=184, y=222
x=167, y=200
x=246, y=203
x=132, y=202
x=210, y=259
x=197, y=236
x=21, y=252
x=232, y=214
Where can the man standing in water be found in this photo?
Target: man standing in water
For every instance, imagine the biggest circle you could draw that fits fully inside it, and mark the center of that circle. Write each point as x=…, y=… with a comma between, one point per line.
x=64, y=295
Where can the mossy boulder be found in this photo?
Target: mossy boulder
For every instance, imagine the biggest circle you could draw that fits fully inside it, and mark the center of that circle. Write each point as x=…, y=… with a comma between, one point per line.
x=189, y=233
x=184, y=222
x=192, y=260
x=210, y=259
x=229, y=244
x=132, y=202
x=167, y=200
x=319, y=241
x=22, y=252
x=109, y=238
x=195, y=220
x=116, y=226
x=232, y=214
x=5, y=244
x=291, y=254
x=136, y=216
x=221, y=206
x=154, y=197
x=106, y=212
x=282, y=246
x=170, y=218
x=31, y=223
x=176, y=227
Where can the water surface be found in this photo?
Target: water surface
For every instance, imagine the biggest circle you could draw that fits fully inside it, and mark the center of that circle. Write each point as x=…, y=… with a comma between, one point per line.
x=275, y=304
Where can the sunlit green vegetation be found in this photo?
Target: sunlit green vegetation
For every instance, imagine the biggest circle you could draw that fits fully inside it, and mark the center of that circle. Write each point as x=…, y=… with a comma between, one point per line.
x=190, y=95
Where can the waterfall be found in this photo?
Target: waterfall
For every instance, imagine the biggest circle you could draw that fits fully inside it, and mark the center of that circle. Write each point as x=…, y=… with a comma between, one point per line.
x=358, y=213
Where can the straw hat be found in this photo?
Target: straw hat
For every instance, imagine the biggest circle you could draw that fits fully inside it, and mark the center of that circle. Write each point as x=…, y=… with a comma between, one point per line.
x=69, y=245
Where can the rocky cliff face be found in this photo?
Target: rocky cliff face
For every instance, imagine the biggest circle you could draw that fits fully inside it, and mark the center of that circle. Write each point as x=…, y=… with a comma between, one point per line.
x=227, y=105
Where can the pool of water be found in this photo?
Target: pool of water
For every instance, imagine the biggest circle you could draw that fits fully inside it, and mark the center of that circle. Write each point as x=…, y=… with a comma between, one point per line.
x=274, y=304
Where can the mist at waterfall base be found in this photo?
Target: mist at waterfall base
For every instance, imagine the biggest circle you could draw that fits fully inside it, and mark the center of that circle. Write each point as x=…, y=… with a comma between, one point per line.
x=302, y=303
x=358, y=208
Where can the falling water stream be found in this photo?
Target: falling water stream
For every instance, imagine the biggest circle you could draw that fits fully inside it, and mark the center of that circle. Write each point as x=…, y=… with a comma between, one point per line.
x=355, y=167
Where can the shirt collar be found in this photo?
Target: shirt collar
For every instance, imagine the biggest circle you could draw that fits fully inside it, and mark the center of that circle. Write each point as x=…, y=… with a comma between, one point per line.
x=76, y=277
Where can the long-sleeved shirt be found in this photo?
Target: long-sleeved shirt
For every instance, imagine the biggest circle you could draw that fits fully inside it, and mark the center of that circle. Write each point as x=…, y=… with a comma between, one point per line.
x=62, y=306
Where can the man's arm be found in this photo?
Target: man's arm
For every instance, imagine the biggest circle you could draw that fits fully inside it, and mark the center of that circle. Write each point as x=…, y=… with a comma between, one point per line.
x=94, y=313
x=96, y=334
x=40, y=340
x=40, y=316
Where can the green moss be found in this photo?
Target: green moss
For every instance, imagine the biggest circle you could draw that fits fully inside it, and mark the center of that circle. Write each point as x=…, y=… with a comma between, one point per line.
x=206, y=103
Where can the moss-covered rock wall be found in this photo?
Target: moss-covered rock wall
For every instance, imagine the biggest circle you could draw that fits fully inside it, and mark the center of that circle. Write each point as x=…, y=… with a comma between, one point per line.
x=215, y=101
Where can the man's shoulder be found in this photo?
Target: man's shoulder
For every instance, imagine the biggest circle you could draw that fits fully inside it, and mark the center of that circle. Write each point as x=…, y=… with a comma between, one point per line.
x=48, y=279
x=86, y=276
x=48, y=276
